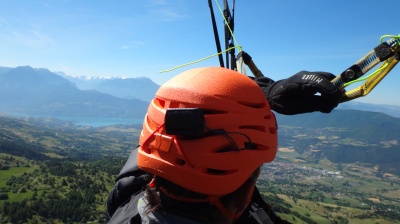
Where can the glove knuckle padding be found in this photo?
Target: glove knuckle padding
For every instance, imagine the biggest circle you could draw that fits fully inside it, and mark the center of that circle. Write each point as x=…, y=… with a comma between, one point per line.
x=297, y=94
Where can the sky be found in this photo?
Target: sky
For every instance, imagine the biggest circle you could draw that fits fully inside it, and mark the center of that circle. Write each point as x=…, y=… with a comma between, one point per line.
x=140, y=38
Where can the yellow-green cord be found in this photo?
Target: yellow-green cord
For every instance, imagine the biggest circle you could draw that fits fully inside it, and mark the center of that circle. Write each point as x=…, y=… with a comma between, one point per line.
x=367, y=77
x=227, y=24
x=203, y=59
x=388, y=36
x=378, y=70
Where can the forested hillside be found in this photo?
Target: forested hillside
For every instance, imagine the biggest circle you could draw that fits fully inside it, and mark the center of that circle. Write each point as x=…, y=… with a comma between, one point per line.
x=52, y=171
x=55, y=189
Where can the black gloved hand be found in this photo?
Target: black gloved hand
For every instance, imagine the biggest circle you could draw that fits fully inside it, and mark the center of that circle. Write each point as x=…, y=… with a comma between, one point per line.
x=297, y=94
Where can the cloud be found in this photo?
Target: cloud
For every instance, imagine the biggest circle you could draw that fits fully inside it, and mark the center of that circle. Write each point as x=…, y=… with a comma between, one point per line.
x=133, y=44
x=41, y=38
x=31, y=38
x=167, y=14
x=167, y=10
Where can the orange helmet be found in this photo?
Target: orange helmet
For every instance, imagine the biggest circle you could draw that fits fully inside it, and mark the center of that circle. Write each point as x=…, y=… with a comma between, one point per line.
x=208, y=130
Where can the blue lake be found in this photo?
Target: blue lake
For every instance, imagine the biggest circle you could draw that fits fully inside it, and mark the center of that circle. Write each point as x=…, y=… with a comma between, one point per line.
x=99, y=122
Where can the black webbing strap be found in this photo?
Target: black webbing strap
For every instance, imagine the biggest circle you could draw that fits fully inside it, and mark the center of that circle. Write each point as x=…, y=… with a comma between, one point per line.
x=216, y=36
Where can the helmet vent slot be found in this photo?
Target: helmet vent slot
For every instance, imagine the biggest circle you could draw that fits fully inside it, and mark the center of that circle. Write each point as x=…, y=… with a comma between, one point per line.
x=159, y=102
x=225, y=149
x=251, y=104
x=219, y=172
x=151, y=124
x=253, y=127
x=180, y=162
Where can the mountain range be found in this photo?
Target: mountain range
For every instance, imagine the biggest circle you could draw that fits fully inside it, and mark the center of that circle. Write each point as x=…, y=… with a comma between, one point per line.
x=38, y=91
x=391, y=110
x=365, y=126
x=127, y=88
x=30, y=91
x=348, y=133
x=354, y=133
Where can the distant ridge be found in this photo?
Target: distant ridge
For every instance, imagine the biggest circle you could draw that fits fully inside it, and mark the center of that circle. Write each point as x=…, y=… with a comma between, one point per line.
x=391, y=110
x=73, y=94
x=372, y=127
x=32, y=91
x=128, y=88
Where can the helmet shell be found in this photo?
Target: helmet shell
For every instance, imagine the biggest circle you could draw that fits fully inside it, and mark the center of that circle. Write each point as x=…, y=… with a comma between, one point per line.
x=210, y=165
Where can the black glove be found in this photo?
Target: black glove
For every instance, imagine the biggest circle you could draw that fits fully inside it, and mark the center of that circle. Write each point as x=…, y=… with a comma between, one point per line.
x=297, y=94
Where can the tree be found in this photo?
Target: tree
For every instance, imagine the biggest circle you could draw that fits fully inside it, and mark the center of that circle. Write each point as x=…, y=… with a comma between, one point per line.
x=23, y=190
x=64, y=182
x=3, y=196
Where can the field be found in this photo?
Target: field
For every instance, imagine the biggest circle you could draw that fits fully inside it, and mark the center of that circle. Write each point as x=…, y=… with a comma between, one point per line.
x=51, y=172
x=326, y=192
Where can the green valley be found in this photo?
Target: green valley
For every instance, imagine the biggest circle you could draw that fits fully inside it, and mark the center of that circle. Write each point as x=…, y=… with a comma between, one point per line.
x=52, y=171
